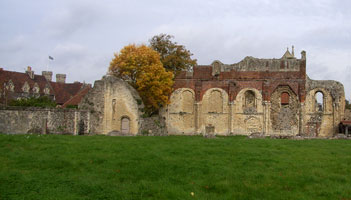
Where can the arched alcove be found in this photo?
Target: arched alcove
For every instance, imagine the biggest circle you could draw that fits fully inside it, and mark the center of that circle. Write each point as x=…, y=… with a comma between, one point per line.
x=125, y=125
x=215, y=102
x=319, y=101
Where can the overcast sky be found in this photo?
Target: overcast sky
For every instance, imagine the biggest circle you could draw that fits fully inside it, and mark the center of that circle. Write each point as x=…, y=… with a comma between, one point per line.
x=82, y=35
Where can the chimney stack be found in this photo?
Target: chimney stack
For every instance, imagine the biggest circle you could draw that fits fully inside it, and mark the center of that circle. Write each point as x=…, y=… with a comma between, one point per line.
x=30, y=72
x=303, y=55
x=61, y=78
x=292, y=51
x=47, y=75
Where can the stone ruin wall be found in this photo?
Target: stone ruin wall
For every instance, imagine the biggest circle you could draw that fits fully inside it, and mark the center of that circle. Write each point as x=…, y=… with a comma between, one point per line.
x=347, y=115
x=102, y=111
x=246, y=98
x=114, y=102
x=21, y=120
x=284, y=118
x=323, y=122
x=254, y=64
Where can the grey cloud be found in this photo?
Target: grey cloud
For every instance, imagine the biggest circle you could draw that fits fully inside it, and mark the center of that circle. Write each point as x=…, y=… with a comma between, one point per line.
x=68, y=20
x=82, y=35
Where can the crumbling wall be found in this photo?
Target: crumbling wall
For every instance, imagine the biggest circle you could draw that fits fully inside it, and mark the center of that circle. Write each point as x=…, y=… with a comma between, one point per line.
x=248, y=112
x=22, y=120
x=284, y=117
x=347, y=115
x=215, y=111
x=180, y=117
x=113, y=101
x=255, y=64
x=94, y=102
x=323, y=123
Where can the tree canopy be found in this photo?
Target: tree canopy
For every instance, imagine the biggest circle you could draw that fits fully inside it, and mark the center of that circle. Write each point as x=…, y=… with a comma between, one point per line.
x=174, y=57
x=141, y=67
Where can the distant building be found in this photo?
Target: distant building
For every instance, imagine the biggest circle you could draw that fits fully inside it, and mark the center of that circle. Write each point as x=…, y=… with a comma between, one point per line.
x=17, y=85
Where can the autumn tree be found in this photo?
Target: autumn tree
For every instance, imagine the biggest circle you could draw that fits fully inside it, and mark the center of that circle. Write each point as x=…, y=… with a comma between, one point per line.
x=174, y=57
x=142, y=68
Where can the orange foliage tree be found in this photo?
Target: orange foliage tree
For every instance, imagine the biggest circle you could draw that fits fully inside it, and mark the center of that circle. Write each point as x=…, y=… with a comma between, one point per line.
x=141, y=67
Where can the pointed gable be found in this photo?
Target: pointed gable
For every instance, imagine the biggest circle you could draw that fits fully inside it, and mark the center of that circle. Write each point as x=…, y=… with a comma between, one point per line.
x=287, y=54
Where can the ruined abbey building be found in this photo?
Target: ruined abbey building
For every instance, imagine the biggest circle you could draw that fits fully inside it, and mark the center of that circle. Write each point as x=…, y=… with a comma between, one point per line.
x=266, y=96
x=269, y=97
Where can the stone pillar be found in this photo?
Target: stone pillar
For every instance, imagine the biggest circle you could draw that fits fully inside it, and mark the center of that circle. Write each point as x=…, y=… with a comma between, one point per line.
x=198, y=117
x=88, y=122
x=107, y=106
x=44, y=126
x=301, y=118
x=231, y=117
x=266, y=116
x=334, y=117
x=76, y=123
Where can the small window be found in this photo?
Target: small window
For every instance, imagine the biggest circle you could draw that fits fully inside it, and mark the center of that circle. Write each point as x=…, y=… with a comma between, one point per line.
x=250, y=99
x=319, y=101
x=285, y=97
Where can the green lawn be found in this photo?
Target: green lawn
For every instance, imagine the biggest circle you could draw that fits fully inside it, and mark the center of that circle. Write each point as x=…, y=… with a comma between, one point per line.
x=102, y=167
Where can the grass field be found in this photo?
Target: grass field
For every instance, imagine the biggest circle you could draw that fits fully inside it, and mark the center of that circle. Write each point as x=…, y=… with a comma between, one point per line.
x=173, y=167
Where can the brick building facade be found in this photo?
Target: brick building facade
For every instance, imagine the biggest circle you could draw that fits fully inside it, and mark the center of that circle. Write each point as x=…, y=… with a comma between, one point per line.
x=269, y=96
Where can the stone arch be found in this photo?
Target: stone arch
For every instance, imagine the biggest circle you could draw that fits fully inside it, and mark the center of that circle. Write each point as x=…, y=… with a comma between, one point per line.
x=215, y=111
x=250, y=99
x=125, y=125
x=284, y=118
x=327, y=100
x=182, y=100
x=319, y=101
x=241, y=100
x=215, y=100
x=181, y=112
x=187, y=101
x=317, y=120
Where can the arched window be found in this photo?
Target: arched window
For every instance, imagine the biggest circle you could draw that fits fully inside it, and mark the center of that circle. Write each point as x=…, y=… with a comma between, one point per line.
x=285, y=98
x=319, y=102
x=250, y=99
x=125, y=125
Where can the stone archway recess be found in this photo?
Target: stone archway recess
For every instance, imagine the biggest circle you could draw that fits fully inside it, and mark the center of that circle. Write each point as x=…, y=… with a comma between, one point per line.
x=125, y=125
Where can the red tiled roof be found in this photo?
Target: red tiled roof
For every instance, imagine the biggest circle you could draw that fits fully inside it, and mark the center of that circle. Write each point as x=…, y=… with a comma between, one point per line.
x=19, y=79
x=65, y=91
x=62, y=91
x=78, y=97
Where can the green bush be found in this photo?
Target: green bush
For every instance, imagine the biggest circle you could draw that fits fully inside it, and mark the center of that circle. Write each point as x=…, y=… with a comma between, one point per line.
x=72, y=106
x=43, y=102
